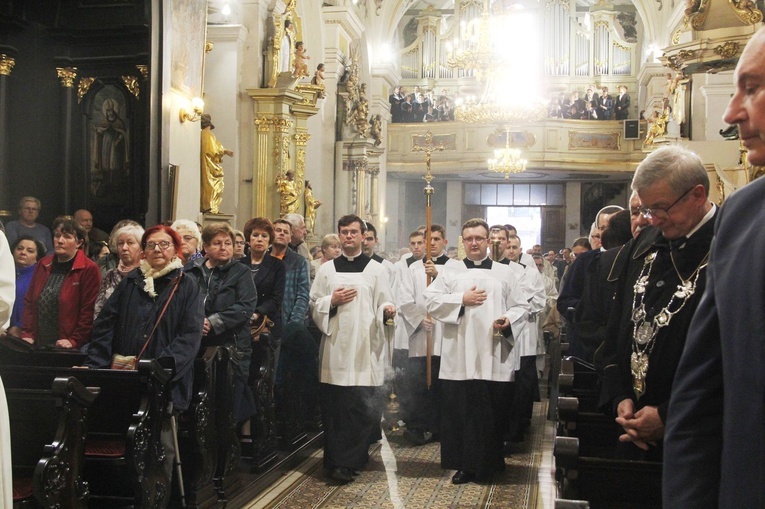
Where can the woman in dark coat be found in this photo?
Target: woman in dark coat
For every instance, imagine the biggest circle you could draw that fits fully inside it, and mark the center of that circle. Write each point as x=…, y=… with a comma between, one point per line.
x=131, y=312
x=268, y=273
x=230, y=300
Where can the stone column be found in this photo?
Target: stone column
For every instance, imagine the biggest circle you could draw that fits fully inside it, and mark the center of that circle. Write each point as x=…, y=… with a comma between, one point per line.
x=67, y=76
x=6, y=66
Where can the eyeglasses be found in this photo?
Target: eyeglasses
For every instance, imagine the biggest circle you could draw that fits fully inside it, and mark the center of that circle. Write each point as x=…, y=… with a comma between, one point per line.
x=349, y=233
x=163, y=245
x=239, y=242
x=470, y=240
x=662, y=213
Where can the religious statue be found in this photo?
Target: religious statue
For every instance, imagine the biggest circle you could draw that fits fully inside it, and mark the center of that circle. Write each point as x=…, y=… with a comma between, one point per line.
x=111, y=147
x=285, y=49
x=657, y=126
x=301, y=67
x=311, y=204
x=318, y=80
x=375, y=129
x=212, y=171
x=288, y=193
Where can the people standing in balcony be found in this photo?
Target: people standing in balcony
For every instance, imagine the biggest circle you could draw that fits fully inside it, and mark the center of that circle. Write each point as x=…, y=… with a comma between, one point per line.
x=622, y=104
x=605, y=105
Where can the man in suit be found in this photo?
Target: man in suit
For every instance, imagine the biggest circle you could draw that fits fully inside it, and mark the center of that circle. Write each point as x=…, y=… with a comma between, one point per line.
x=714, y=440
x=658, y=291
x=622, y=104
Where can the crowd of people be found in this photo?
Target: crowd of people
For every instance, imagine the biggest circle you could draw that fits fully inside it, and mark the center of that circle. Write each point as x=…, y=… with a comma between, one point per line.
x=594, y=104
x=667, y=315
x=419, y=106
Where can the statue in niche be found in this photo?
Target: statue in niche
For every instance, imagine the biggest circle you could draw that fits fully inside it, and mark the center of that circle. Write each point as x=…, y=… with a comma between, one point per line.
x=311, y=204
x=285, y=50
x=212, y=170
x=288, y=193
x=300, y=68
x=110, y=143
x=375, y=129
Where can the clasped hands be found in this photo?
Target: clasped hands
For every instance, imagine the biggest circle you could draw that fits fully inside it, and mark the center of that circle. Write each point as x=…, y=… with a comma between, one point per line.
x=642, y=428
x=475, y=297
x=342, y=296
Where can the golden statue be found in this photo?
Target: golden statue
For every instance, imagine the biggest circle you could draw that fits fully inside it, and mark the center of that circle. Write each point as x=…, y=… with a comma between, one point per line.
x=300, y=68
x=288, y=193
x=657, y=126
x=311, y=204
x=212, y=171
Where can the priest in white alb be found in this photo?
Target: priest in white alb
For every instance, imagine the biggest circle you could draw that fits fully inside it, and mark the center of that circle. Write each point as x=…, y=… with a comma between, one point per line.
x=483, y=309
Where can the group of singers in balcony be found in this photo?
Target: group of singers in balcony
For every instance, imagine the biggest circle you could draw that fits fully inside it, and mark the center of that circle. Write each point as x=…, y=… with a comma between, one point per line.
x=419, y=106
x=592, y=106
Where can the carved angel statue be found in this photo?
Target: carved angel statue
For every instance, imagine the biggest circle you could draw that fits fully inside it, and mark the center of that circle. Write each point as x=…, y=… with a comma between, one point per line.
x=311, y=204
x=375, y=129
x=361, y=112
x=301, y=67
x=657, y=126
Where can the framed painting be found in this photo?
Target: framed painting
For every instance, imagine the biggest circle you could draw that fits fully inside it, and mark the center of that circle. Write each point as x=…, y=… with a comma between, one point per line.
x=188, y=31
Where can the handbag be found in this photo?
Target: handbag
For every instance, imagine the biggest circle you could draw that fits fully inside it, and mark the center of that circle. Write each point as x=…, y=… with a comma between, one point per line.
x=130, y=362
x=260, y=327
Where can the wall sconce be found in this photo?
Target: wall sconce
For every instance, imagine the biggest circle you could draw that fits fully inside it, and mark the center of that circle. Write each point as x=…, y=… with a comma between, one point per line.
x=198, y=106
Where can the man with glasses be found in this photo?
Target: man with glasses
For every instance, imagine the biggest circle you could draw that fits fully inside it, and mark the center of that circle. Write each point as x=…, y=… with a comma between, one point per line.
x=714, y=447
x=484, y=310
x=351, y=299
x=659, y=288
x=29, y=210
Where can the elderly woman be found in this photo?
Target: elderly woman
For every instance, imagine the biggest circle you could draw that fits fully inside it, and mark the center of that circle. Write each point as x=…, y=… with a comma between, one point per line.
x=127, y=241
x=191, y=239
x=26, y=251
x=58, y=307
x=107, y=263
x=230, y=300
x=129, y=315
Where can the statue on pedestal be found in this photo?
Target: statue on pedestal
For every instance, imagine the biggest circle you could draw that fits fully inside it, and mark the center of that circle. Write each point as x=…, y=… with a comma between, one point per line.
x=301, y=55
x=211, y=170
x=311, y=204
x=288, y=193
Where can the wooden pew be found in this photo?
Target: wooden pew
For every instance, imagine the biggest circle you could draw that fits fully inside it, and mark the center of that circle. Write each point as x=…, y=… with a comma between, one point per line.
x=597, y=433
x=17, y=352
x=124, y=453
x=605, y=483
x=226, y=477
x=580, y=379
x=47, y=440
x=197, y=436
x=262, y=375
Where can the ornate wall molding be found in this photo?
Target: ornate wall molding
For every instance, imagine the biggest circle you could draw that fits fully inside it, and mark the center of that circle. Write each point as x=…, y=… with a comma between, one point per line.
x=131, y=83
x=6, y=64
x=83, y=86
x=144, y=70
x=67, y=75
x=580, y=140
x=264, y=124
x=301, y=139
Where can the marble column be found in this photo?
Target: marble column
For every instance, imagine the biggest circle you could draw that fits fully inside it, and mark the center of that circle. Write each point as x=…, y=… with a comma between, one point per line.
x=67, y=76
x=6, y=66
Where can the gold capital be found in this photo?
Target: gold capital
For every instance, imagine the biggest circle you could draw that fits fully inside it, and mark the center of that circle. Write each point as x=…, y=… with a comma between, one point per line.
x=83, y=86
x=6, y=64
x=67, y=75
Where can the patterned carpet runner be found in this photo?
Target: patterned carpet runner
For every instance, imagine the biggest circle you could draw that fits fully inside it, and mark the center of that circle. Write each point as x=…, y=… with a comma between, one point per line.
x=402, y=476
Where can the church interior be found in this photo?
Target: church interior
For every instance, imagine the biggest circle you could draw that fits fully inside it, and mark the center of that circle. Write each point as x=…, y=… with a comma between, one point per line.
x=366, y=107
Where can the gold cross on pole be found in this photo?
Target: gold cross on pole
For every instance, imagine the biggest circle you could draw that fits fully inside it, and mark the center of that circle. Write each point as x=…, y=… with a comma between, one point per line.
x=428, y=147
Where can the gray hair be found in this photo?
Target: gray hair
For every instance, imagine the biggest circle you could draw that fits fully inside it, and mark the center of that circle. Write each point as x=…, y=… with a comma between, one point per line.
x=25, y=199
x=130, y=229
x=328, y=240
x=190, y=226
x=295, y=220
x=681, y=168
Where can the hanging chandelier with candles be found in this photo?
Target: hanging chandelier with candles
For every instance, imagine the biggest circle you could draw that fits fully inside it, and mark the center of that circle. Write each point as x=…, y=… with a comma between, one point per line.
x=507, y=160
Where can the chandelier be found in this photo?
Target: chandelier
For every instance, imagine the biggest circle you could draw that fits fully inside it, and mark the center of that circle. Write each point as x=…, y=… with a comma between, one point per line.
x=507, y=160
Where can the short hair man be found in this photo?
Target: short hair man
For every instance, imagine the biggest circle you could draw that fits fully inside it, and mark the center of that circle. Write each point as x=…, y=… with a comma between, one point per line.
x=350, y=300
x=714, y=449
x=85, y=219
x=26, y=224
x=472, y=299
x=423, y=417
x=659, y=289
x=368, y=246
x=297, y=239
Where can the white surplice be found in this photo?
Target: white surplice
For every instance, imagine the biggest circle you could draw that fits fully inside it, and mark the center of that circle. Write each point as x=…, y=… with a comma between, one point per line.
x=353, y=350
x=470, y=350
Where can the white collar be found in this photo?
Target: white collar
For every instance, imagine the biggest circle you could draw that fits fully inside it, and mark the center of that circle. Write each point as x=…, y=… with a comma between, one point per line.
x=707, y=217
x=479, y=262
x=351, y=258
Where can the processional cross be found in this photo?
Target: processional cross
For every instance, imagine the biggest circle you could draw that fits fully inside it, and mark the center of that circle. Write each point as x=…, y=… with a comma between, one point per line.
x=428, y=147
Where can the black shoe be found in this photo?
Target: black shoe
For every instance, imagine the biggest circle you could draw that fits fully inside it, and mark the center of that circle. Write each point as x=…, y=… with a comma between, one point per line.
x=415, y=436
x=462, y=477
x=341, y=474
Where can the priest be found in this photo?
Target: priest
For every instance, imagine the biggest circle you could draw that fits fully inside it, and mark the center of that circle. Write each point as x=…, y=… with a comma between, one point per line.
x=351, y=299
x=483, y=309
